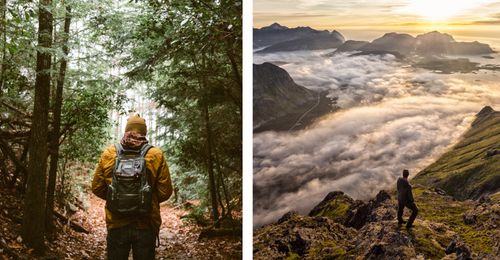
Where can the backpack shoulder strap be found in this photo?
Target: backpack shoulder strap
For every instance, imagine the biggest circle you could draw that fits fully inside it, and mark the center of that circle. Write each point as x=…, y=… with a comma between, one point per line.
x=119, y=149
x=145, y=148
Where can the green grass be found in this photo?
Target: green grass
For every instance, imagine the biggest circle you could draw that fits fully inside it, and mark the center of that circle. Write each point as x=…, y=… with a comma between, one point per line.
x=464, y=172
x=336, y=251
x=336, y=209
x=439, y=209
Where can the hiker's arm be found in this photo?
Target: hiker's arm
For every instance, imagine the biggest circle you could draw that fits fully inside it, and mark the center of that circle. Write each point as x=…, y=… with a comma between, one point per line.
x=99, y=186
x=410, y=193
x=164, y=184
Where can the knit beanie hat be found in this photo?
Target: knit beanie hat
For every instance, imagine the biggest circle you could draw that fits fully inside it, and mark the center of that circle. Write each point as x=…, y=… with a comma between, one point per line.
x=137, y=124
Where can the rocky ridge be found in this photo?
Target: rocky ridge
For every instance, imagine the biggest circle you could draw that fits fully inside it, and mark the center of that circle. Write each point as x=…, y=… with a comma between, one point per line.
x=276, y=38
x=343, y=228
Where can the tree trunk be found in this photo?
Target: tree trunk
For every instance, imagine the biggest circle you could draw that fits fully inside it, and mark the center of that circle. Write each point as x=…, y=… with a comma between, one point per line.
x=224, y=189
x=34, y=201
x=3, y=32
x=56, y=125
x=210, y=167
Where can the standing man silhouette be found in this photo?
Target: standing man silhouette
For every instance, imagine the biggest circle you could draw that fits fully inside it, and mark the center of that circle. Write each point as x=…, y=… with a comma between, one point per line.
x=405, y=199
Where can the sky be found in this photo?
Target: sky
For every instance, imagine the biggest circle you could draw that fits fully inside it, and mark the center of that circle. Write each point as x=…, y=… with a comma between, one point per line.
x=367, y=20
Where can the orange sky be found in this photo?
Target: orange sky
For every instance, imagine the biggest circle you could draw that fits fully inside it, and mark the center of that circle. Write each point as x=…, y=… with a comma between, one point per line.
x=365, y=20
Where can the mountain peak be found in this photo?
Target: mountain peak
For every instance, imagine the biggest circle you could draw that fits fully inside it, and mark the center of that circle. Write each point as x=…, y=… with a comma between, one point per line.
x=436, y=36
x=485, y=111
x=275, y=26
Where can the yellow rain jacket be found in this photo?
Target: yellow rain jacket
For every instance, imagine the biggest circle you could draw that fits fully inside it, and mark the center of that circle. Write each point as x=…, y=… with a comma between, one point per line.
x=159, y=180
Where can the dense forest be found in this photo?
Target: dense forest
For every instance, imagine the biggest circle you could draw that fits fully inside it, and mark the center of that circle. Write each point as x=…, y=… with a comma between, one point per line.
x=70, y=70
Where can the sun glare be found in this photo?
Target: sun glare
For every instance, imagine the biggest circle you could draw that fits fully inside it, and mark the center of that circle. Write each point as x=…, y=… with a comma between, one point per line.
x=440, y=10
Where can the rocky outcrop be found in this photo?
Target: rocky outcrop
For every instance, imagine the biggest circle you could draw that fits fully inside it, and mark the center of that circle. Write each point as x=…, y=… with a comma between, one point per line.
x=445, y=228
x=302, y=236
x=353, y=213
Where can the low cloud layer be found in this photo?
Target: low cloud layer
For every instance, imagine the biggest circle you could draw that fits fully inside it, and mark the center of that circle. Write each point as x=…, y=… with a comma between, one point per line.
x=392, y=118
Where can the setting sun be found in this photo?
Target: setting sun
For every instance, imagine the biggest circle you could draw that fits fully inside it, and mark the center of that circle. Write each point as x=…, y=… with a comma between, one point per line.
x=442, y=10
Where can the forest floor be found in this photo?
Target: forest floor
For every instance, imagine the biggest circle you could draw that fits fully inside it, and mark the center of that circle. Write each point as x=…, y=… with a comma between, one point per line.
x=179, y=239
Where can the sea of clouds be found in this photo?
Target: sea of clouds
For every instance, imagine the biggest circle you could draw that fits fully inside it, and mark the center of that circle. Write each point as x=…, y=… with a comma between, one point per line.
x=392, y=117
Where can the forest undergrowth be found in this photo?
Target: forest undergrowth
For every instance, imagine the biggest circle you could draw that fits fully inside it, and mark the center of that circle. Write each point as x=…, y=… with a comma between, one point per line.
x=179, y=236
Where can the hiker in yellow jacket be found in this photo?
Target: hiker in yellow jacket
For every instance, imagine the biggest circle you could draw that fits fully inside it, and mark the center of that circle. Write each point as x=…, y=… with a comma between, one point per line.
x=133, y=230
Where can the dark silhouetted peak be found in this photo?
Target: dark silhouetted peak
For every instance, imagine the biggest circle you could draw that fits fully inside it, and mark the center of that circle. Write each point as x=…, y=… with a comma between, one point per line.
x=395, y=35
x=399, y=42
x=287, y=216
x=274, y=26
x=275, y=93
x=485, y=111
x=276, y=37
x=333, y=195
x=382, y=196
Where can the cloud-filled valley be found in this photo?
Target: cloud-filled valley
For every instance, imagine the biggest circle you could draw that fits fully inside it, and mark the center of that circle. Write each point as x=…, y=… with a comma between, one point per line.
x=392, y=117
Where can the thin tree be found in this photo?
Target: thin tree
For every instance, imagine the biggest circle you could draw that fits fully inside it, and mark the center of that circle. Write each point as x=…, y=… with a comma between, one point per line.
x=3, y=32
x=34, y=201
x=56, y=125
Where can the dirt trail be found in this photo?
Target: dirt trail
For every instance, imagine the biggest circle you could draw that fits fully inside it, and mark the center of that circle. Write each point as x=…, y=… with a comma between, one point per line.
x=178, y=238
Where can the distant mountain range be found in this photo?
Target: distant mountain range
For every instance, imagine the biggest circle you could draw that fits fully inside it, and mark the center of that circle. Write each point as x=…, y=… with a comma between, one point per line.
x=447, y=227
x=275, y=94
x=276, y=38
x=432, y=43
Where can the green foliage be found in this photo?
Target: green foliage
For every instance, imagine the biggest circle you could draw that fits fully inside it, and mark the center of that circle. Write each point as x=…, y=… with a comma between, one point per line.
x=188, y=53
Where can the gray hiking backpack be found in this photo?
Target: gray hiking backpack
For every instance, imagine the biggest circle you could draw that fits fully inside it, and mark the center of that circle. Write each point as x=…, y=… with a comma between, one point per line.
x=130, y=192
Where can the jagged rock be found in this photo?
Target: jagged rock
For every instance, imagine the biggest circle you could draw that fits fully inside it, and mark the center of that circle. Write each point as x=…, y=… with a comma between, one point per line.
x=484, y=199
x=383, y=240
x=382, y=196
x=335, y=206
x=451, y=247
x=461, y=250
x=491, y=153
x=485, y=111
x=300, y=235
x=469, y=219
x=440, y=191
x=376, y=251
x=287, y=216
x=343, y=209
x=379, y=236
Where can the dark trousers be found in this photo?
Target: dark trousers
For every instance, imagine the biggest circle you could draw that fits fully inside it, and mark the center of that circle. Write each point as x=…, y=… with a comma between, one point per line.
x=412, y=207
x=141, y=240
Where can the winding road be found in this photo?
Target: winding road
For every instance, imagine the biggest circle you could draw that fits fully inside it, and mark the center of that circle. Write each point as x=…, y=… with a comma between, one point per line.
x=305, y=113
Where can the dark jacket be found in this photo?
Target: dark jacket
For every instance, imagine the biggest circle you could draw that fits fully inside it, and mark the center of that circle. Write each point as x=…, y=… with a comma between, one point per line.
x=404, y=191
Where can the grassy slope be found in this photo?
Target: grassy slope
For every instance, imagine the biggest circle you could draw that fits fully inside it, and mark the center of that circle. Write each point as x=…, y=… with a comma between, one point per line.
x=464, y=172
